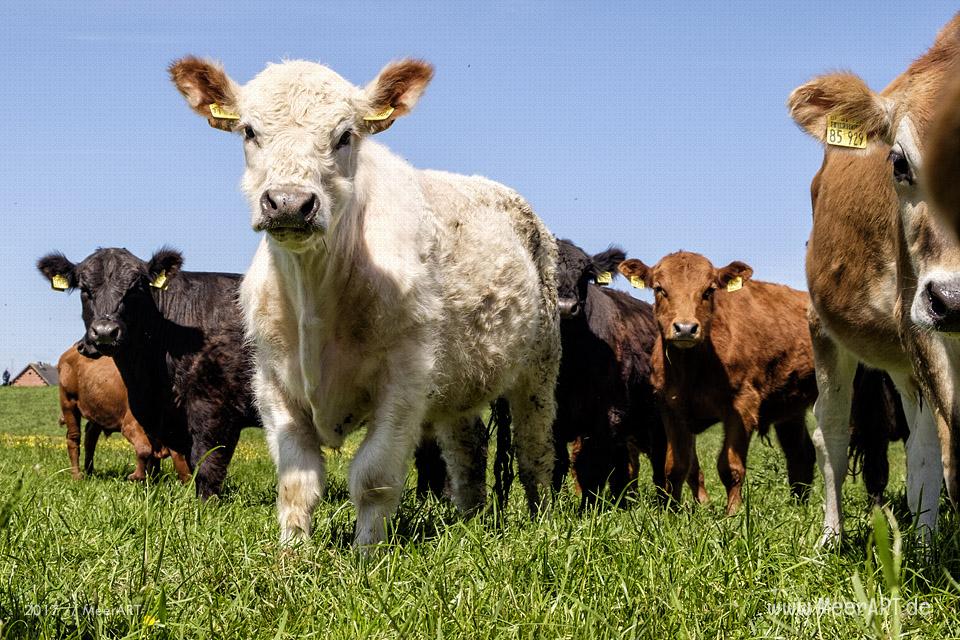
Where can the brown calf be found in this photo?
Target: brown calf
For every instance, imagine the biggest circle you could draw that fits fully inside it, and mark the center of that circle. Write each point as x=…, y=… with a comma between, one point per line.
x=93, y=389
x=734, y=350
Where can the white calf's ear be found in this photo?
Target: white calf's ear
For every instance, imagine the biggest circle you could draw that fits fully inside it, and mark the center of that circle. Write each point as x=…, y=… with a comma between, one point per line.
x=208, y=90
x=394, y=93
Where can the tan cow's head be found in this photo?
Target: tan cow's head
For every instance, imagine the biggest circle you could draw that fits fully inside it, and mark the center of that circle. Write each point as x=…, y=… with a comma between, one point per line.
x=684, y=284
x=898, y=119
x=302, y=125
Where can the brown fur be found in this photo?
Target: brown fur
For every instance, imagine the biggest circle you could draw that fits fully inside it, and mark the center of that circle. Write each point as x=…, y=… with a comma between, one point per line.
x=203, y=83
x=941, y=171
x=399, y=85
x=93, y=389
x=751, y=365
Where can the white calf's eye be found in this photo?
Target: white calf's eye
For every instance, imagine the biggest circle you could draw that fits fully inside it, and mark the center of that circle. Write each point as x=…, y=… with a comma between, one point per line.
x=344, y=139
x=249, y=133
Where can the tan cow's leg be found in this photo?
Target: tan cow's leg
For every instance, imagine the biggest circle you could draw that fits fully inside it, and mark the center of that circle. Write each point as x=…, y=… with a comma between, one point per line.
x=135, y=435
x=71, y=419
x=835, y=368
x=181, y=466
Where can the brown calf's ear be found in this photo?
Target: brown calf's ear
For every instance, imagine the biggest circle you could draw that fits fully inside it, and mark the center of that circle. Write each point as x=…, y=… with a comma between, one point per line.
x=734, y=275
x=208, y=90
x=942, y=163
x=58, y=270
x=636, y=272
x=394, y=92
x=845, y=96
x=164, y=265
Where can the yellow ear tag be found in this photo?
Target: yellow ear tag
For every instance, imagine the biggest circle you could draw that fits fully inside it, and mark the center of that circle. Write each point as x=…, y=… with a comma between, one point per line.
x=160, y=282
x=59, y=282
x=222, y=114
x=604, y=278
x=383, y=115
x=735, y=285
x=842, y=132
x=637, y=282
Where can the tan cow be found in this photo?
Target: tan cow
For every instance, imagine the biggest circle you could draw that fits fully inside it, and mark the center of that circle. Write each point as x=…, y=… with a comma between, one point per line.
x=93, y=389
x=883, y=278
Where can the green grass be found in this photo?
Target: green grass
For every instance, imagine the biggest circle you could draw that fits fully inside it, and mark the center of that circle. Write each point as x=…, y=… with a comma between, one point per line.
x=103, y=557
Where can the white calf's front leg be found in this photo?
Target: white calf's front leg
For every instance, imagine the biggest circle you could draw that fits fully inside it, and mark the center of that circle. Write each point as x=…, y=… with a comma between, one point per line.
x=835, y=372
x=378, y=470
x=464, y=446
x=295, y=449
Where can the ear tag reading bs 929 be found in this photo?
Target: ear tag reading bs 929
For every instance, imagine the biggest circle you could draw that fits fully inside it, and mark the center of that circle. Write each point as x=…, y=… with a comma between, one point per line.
x=842, y=132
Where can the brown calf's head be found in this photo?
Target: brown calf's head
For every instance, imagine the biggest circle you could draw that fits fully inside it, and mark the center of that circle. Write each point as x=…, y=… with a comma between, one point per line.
x=684, y=284
x=302, y=126
x=841, y=111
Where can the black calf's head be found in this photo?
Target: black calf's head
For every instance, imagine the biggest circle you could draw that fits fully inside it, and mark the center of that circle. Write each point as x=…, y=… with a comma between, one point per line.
x=114, y=292
x=576, y=270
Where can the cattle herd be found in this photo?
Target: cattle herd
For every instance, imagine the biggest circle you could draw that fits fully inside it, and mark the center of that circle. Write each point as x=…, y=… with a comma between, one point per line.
x=408, y=302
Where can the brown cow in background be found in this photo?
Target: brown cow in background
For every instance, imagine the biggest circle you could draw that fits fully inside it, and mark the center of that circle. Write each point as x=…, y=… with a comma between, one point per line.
x=92, y=389
x=729, y=350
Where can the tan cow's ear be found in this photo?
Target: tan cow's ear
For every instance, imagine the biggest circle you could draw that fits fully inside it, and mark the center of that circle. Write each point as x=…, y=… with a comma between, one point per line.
x=394, y=93
x=208, y=90
x=842, y=96
x=734, y=275
x=636, y=272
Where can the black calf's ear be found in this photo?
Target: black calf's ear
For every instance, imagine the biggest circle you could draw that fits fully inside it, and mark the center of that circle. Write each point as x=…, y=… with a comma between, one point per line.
x=58, y=270
x=734, y=275
x=636, y=272
x=609, y=260
x=164, y=265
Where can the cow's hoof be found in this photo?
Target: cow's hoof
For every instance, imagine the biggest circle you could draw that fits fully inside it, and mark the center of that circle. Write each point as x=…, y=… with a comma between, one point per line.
x=136, y=477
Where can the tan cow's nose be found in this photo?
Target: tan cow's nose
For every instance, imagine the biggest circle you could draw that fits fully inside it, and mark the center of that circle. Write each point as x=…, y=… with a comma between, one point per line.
x=288, y=208
x=942, y=300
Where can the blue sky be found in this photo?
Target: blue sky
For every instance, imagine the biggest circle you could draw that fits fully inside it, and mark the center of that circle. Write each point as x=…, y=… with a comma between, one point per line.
x=653, y=126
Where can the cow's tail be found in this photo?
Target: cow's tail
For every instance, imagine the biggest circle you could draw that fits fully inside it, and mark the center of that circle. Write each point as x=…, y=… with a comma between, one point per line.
x=876, y=419
x=500, y=421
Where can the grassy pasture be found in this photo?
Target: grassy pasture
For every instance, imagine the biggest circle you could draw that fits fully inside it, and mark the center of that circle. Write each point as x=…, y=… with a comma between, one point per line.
x=103, y=557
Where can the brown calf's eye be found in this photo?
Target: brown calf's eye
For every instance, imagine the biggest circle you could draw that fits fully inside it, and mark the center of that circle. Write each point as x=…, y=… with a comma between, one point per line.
x=708, y=293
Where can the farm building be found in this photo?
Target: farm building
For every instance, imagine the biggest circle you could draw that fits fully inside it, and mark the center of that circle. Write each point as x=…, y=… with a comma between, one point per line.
x=37, y=374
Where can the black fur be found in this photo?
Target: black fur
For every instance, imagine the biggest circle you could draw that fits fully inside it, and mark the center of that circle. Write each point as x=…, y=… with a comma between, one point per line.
x=180, y=351
x=605, y=403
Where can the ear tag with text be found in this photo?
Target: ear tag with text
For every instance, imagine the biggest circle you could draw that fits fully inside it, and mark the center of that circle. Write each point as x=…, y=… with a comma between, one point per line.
x=59, y=282
x=735, y=285
x=604, y=278
x=637, y=282
x=160, y=282
x=845, y=133
x=222, y=114
x=382, y=115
